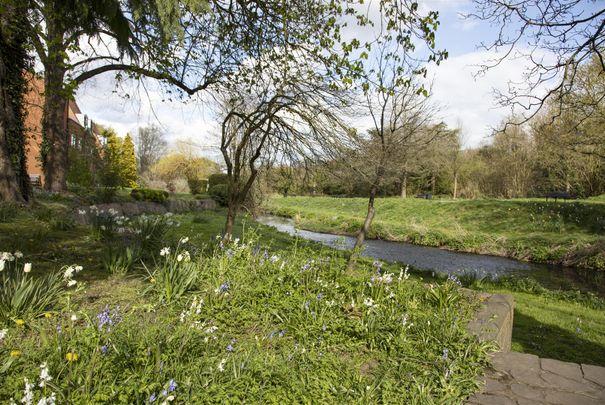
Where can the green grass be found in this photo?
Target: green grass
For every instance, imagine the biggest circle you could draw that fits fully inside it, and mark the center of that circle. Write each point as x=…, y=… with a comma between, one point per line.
x=359, y=356
x=292, y=325
x=528, y=229
x=560, y=329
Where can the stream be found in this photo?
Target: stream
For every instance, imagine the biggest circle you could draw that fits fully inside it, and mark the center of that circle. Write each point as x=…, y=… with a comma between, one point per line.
x=440, y=260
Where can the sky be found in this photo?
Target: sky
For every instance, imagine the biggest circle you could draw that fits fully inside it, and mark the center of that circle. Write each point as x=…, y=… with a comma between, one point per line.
x=465, y=100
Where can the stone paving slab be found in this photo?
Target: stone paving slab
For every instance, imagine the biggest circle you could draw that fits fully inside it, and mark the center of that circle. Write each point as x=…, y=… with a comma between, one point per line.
x=519, y=379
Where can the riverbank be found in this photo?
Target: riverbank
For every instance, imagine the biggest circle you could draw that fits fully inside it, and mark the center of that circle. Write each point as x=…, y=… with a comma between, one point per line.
x=553, y=324
x=567, y=233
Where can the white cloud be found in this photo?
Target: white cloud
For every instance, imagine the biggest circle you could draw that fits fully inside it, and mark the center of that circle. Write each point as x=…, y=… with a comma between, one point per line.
x=135, y=105
x=468, y=99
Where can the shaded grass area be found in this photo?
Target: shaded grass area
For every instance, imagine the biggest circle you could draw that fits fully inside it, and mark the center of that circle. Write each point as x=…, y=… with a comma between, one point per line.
x=570, y=233
x=562, y=330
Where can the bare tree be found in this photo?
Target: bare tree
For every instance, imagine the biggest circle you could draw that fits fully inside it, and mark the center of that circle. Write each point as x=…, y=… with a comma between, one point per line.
x=266, y=121
x=399, y=109
x=150, y=146
x=556, y=37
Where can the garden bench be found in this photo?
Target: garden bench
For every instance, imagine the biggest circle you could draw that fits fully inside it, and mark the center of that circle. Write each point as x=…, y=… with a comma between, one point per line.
x=562, y=195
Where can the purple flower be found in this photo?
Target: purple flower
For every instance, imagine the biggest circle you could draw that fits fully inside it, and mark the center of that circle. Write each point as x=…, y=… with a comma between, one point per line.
x=104, y=349
x=152, y=398
x=224, y=287
x=171, y=385
x=230, y=253
x=445, y=354
x=281, y=333
x=320, y=296
x=230, y=345
x=106, y=319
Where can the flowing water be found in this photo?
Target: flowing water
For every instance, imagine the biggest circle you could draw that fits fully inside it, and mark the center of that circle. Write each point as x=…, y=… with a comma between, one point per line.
x=441, y=260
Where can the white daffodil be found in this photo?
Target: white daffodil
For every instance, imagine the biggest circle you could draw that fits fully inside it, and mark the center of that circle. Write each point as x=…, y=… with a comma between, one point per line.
x=221, y=365
x=165, y=251
x=68, y=273
x=27, y=267
x=82, y=212
x=2, y=264
x=74, y=317
x=18, y=254
x=184, y=240
x=3, y=333
x=71, y=283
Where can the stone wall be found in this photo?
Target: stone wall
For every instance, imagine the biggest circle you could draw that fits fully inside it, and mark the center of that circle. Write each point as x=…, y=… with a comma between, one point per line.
x=494, y=321
x=83, y=214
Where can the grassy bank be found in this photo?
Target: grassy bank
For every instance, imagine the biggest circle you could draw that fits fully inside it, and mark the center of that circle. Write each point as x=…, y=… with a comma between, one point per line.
x=290, y=323
x=571, y=233
x=267, y=319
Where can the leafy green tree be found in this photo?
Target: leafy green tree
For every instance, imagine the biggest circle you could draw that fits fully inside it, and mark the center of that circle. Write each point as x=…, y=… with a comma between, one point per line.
x=128, y=163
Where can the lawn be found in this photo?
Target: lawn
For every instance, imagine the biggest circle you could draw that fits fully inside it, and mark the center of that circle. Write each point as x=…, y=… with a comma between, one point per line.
x=162, y=311
x=569, y=232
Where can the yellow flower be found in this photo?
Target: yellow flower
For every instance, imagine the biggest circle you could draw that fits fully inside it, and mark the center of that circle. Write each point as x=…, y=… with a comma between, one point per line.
x=71, y=356
x=152, y=280
x=48, y=315
x=20, y=322
x=15, y=353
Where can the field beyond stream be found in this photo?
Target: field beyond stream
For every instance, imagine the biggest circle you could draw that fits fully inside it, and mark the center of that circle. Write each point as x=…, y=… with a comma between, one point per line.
x=571, y=233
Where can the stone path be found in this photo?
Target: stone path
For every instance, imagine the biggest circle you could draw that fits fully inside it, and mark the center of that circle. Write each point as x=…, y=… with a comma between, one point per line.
x=519, y=379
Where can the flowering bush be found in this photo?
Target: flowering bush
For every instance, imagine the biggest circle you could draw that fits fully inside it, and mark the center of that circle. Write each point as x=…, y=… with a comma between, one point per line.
x=174, y=275
x=23, y=296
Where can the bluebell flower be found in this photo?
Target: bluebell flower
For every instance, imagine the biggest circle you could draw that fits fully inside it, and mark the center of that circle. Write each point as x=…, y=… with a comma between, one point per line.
x=171, y=385
x=445, y=354
x=224, y=287
x=281, y=333
x=320, y=296
x=104, y=349
x=152, y=398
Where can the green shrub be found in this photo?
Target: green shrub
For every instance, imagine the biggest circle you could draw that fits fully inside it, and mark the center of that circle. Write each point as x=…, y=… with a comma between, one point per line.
x=174, y=276
x=105, y=194
x=8, y=211
x=150, y=232
x=23, y=296
x=220, y=194
x=217, y=178
x=148, y=194
x=197, y=186
x=118, y=260
x=63, y=222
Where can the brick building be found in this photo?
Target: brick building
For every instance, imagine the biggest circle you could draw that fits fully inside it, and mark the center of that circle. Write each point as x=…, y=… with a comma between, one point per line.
x=84, y=135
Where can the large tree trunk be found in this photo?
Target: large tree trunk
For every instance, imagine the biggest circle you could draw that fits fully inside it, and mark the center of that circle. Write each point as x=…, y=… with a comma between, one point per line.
x=55, y=144
x=455, y=194
x=9, y=186
x=404, y=186
x=54, y=120
x=14, y=181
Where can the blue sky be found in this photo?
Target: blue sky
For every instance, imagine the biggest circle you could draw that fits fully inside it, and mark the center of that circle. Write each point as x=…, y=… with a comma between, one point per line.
x=465, y=101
